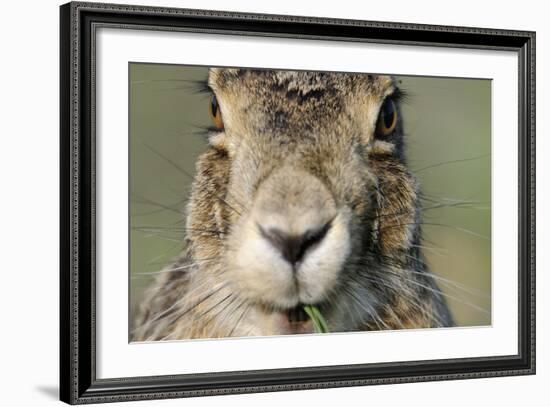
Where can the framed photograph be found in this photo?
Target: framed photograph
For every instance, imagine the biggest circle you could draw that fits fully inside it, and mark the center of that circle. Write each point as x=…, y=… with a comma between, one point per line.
x=255, y=203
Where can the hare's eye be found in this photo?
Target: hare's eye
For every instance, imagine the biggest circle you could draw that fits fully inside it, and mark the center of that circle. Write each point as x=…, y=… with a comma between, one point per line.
x=216, y=113
x=387, y=118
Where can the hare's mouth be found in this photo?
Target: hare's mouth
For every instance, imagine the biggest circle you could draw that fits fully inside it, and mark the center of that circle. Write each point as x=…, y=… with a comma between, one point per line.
x=297, y=315
x=294, y=320
x=294, y=314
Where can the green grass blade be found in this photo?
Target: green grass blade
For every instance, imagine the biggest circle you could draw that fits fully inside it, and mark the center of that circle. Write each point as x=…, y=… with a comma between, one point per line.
x=319, y=323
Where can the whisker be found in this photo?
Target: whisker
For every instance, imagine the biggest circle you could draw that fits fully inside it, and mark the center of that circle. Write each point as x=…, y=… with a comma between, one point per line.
x=457, y=228
x=183, y=171
x=188, y=309
x=175, y=269
x=439, y=292
x=216, y=305
x=450, y=162
x=143, y=200
x=196, y=86
x=239, y=320
x=372, y=312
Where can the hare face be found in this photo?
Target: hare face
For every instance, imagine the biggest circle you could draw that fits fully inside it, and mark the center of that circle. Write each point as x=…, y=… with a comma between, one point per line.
x=303, y=198
x=298, y=188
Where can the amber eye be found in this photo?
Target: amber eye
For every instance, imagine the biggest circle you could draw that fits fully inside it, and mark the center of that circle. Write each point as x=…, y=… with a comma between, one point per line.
x=216, y=113
x=387, y=118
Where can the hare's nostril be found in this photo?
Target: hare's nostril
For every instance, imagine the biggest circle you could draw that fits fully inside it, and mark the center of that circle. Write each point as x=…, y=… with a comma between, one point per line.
x=294, y=247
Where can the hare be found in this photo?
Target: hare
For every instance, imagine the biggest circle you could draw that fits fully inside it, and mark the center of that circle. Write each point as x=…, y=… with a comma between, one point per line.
x=302, y=198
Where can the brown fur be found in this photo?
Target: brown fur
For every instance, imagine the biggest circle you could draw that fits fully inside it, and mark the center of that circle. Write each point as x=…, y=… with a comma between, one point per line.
x=298, y=148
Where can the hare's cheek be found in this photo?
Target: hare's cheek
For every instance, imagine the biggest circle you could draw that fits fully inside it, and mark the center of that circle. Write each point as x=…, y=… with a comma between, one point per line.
x=257, y=269
x=320, y=270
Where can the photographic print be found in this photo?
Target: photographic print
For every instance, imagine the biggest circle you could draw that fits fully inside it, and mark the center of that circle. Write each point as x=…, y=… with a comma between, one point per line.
x=255, y=202
x=273, y=202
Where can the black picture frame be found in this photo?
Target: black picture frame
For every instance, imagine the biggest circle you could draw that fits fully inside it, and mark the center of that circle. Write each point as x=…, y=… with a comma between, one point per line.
x=78, y=382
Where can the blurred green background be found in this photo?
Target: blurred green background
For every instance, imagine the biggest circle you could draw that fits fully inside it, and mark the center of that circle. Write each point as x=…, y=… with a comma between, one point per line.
x=448, y=134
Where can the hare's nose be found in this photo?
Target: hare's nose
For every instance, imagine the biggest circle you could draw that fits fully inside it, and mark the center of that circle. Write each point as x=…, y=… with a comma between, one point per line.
x=294, y=247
